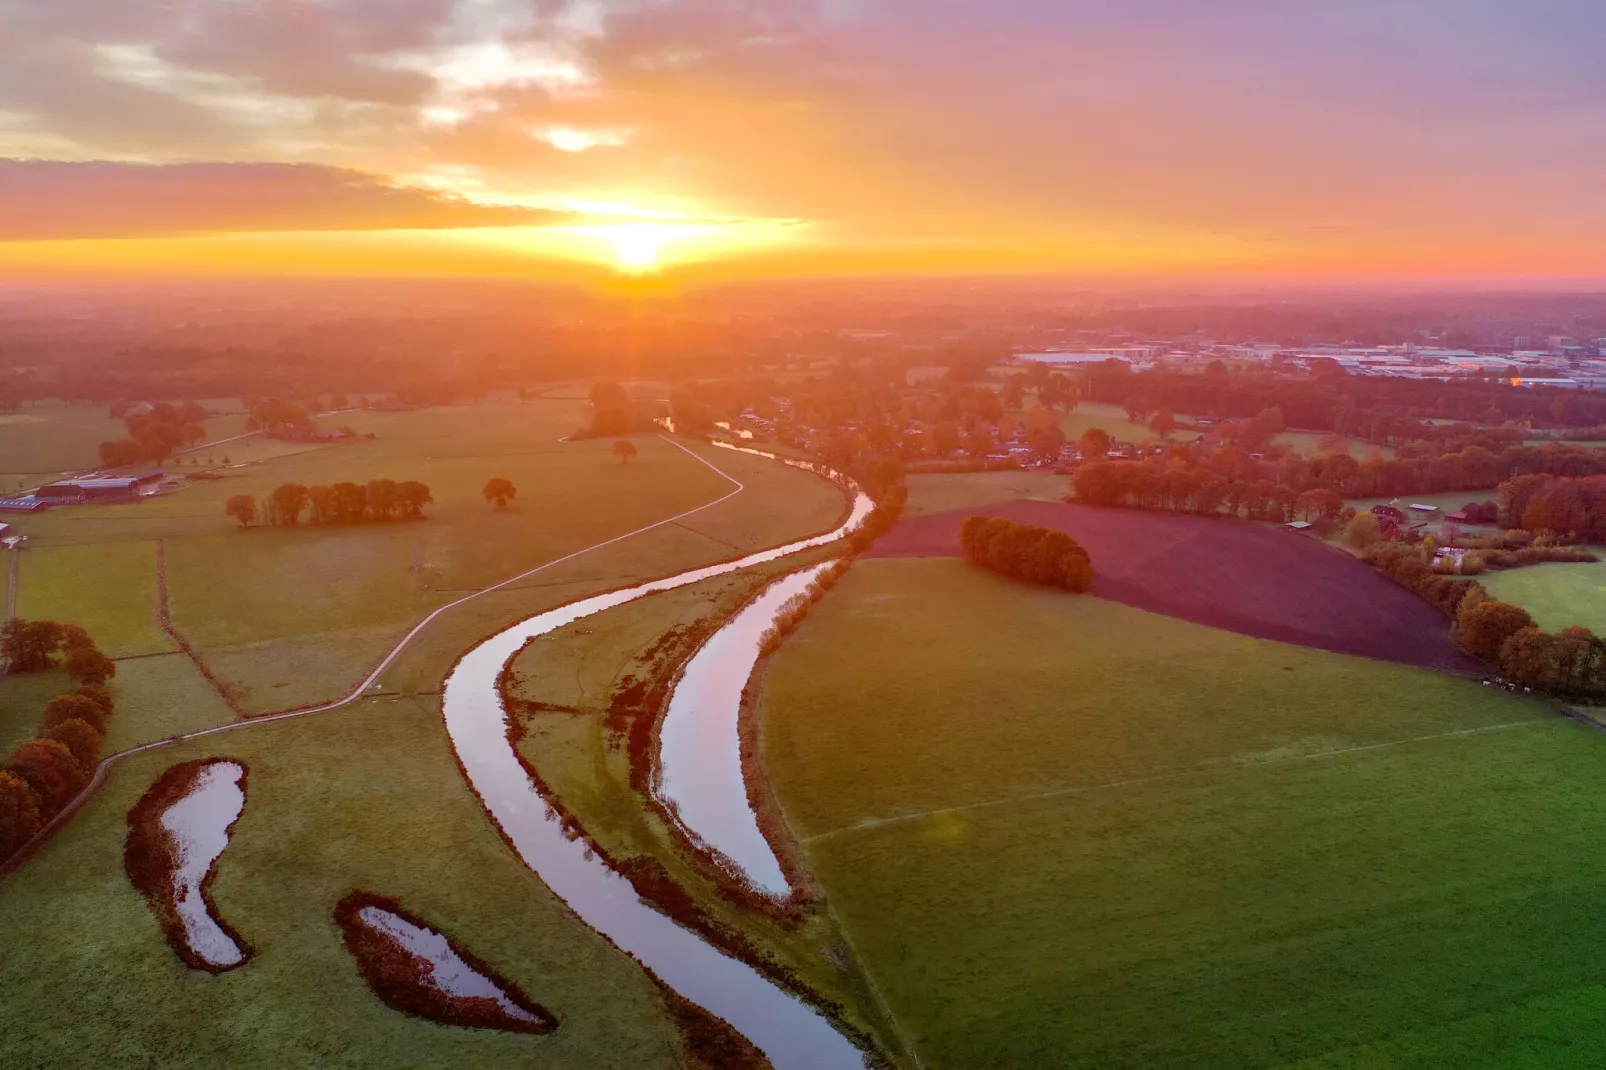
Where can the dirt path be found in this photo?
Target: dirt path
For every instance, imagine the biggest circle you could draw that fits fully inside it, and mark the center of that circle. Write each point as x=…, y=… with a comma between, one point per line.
x=371, y=680
x=164, y=617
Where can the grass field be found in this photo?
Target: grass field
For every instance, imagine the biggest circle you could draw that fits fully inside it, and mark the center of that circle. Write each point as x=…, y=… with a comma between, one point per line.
x=1556, y=595
x=1110, y=418
x=109, y=588
x=367, y=796
x=1062, y=832
x=44, y=439
x=1309, y=444
x=941, y=491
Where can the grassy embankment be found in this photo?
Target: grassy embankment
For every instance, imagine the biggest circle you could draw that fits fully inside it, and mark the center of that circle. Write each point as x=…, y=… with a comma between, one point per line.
x=368, y=796
x=1060, y=831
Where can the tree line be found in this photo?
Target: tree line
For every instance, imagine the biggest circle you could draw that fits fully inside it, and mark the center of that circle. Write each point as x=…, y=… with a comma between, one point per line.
x=1027, y=552
x=43, y=775
x=338, y=503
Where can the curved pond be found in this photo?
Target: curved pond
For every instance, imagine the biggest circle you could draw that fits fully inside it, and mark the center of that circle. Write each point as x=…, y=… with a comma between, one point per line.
x=699, y=771
x=789, y=1032
x=199, y=824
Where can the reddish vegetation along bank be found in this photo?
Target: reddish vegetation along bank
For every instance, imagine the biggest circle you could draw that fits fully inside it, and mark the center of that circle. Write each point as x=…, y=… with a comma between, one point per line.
x=1258, y=581
x=402, y=979
x=151, y=857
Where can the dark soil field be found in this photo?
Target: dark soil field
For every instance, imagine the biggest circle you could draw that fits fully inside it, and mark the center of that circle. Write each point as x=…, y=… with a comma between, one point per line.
x=1262, y=581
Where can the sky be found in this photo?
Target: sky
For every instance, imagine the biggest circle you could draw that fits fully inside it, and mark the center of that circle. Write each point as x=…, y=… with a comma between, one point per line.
x=1299, y=139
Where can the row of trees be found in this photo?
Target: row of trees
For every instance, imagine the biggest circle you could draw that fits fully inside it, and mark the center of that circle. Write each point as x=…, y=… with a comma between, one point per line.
x=338, y=503
x=1026, y=551
x=43, y=775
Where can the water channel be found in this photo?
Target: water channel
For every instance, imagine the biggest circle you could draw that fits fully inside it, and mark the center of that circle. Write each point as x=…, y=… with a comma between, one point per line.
x=789, y=1032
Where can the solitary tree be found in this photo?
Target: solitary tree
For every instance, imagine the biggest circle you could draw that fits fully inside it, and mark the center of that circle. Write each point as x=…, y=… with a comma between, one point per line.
x=625, y=450
x=243, y=508
x=499, y=491
x=1095, y=443
x=1164, y=424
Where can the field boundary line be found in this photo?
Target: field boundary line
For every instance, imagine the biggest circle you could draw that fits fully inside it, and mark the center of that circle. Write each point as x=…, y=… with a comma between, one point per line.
x=164, y=617
x=1083, y=789
x=12, y=864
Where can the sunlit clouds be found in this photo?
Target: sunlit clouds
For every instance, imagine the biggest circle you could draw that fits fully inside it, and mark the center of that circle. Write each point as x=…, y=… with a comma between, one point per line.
x=1441, y=137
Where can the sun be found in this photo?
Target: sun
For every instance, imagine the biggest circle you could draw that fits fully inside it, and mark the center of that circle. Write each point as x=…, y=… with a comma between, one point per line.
x=638, y=247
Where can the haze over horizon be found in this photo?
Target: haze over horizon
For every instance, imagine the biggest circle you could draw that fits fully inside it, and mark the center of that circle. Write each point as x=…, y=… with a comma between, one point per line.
x=1439, y=141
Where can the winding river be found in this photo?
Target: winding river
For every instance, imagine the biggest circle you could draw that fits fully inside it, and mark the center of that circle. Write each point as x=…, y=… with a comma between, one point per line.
x=788, y=1031
x=700, y=747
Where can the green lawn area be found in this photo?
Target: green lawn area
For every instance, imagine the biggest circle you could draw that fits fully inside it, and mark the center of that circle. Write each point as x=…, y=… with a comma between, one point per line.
x=1060, y=831
x=940, y=491
x=1110, y=418
x=42, y=440
x=109, y=588
x=1556, y=595
x=1309, y=444
x=368, y=796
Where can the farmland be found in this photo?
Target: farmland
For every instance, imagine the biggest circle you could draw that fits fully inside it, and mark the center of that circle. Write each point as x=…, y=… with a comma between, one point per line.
x=1061, y=831
x=45, y=439
x=939, y=492
x=368, y=796
x=1556, y=595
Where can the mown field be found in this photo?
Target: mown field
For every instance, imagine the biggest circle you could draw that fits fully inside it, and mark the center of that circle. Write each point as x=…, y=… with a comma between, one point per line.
x=366, y=796
x=1556, y=595
x=1064, y=832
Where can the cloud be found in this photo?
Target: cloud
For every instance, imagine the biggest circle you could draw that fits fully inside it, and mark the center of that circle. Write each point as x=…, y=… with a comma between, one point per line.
x=43, y=200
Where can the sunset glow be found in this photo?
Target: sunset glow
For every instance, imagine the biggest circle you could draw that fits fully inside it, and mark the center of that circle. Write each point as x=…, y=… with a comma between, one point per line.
x=814, y=138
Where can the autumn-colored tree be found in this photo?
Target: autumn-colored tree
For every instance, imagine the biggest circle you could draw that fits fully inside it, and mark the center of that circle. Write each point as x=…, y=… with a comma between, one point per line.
x=1487, y=624
x=321, y=503
x=97, y=694
x=80, y=738
x=50, y=770
x=87, y=665
x=1095, y=443
x=500, y=491
x=1319, y=504
x=19, y=814
x=1164, y=424
x=383, y=499
x=626, y=450
x=74, y=706
x=29, y=645
x=1044, y=436
x=288, y=500
x=413, y=496
x=350, y=502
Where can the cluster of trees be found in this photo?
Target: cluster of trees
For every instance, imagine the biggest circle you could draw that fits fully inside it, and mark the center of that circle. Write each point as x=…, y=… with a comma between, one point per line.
x=43, y=775
x=339, y=503
x=1173, y=484
x=883, y=479
x=1571, y=507
x=1026, y=551
x=274, y=416
x=154, y=435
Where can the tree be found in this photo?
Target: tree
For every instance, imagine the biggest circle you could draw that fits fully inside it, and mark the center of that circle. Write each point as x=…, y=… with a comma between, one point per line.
x=242, y=507
x=288, y=501
x=1044, y=436
x=97, y=694
x=193, y=433
x=1363, y=531
x=501, y=491
x=80, y=738
x=382, y=498
x=19, y=814
x=413, y=496
x=29, y=645
x=1095, y=443
x=74, y=706
x=1164, y=424
x=50, y=770
x=625, y=449
x=350, y=502
x=1488, y=624
x=87, y=665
